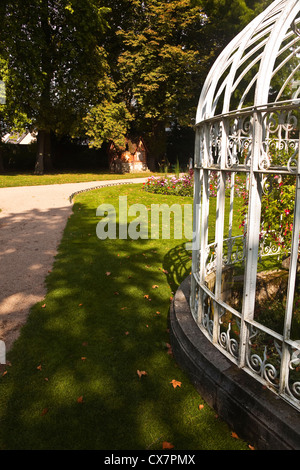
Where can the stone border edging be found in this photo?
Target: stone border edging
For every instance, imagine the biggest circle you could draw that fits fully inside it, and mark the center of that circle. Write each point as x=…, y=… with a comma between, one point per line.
x=71, y=197
x=256, y=414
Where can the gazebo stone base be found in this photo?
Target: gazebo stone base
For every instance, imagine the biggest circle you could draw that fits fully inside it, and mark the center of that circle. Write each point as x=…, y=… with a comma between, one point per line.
x=255, y=413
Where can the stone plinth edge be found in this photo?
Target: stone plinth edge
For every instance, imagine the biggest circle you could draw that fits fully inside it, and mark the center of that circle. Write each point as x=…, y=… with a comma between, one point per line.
x=255, y=413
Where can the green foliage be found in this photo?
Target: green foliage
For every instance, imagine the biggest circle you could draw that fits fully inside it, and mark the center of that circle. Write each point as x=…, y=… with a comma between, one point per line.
x=54, y=56
x=161, y=54
x=160, y=61
x=278, y=212
x=9, y=114
x=277, y=205
x=238, y=185
x=107, y=121
x=104, y=68
x=226, y=18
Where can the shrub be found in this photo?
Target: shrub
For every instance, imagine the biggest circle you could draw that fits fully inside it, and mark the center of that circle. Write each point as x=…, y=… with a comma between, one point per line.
x=239, y=184
x=277, y=210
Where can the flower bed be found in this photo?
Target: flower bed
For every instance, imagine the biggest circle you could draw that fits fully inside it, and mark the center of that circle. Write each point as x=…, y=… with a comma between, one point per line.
x=171, y=185
x=184, y=185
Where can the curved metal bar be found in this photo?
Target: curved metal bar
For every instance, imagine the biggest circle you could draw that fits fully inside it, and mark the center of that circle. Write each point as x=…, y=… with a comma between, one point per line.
x=246, y=140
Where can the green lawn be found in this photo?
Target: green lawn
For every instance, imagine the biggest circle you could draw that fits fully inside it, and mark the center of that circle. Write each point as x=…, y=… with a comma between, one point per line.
x=73, y=381
x=29, y=179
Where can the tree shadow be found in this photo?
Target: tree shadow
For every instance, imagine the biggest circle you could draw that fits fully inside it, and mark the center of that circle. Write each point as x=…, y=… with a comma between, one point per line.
x=73, y=383
x=177, y=265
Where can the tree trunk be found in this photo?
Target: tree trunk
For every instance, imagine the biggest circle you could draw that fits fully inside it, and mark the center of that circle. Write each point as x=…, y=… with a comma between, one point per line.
x=43, y=158
x=39, y=164
x=156, y=144
x=47, y=153
x=1, y=161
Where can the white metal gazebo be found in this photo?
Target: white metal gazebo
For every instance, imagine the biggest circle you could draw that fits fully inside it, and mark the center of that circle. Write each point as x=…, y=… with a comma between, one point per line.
x=247, y=139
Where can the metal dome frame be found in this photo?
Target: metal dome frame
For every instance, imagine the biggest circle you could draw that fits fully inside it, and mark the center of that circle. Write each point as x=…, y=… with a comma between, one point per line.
x=248, y=108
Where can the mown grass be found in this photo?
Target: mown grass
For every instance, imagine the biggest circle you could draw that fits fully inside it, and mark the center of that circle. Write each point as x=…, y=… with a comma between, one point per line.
x=73, y=381
x=29, y=179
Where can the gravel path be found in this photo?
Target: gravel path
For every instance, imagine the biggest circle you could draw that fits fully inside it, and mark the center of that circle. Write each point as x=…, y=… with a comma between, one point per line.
x=32, y=221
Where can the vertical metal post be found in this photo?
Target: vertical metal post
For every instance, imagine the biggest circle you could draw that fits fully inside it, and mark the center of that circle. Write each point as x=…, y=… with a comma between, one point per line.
x=196, y=222
x=219, y=229
x=253, y=230
x=284, y=373
x=204, y=175
x=230, y=223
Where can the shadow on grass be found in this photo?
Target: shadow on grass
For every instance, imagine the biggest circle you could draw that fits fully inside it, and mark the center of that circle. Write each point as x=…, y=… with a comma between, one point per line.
x=177, y=263
x=73, y=382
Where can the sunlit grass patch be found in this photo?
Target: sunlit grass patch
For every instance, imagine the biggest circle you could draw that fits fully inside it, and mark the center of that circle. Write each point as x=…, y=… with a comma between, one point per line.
x=73, y=380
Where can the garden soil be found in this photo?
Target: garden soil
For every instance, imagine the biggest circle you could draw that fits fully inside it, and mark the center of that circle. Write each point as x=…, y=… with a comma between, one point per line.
x=32, y=222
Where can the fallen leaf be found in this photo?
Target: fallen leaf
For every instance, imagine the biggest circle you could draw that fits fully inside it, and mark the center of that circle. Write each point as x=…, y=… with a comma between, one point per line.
x=234, y=435
x=79, y=305
x=167, y=445
x=157, y=313
x=83, y=358
x=44, y=305
x=39, y=367
x=201, y=407
x=80, y=399
x=251, y=447
x=175, y=383
x=155, y=286
x=146, y=296
x=141, y=372
x=4, y=373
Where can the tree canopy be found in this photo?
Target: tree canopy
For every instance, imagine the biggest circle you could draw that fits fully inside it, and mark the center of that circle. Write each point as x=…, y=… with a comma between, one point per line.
x=55, y=60
x=107, y=69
